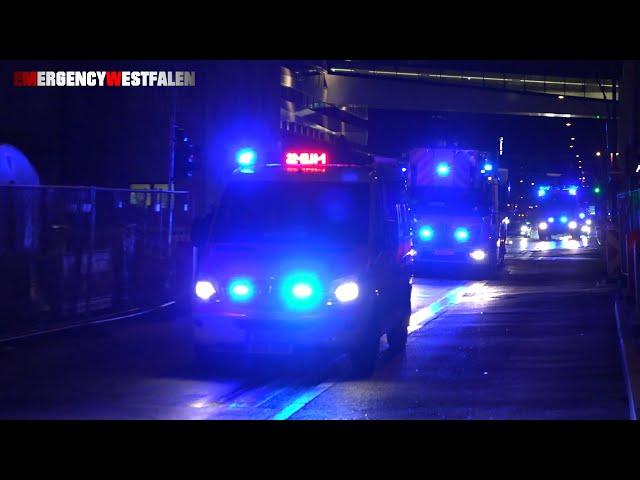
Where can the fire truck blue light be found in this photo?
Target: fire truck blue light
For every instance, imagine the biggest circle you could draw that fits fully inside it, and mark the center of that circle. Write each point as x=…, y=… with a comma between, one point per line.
x=564, y=219
x=443, y=169
x=461, y=234
x=488, y=167
x=582, y=215
x=425, y=233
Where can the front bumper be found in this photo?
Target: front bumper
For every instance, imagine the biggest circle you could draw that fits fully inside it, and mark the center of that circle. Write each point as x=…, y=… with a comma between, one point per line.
x=458, y=256
x=228, y=329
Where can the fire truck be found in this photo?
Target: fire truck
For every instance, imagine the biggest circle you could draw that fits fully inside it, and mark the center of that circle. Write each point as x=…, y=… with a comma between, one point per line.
x=455, y=200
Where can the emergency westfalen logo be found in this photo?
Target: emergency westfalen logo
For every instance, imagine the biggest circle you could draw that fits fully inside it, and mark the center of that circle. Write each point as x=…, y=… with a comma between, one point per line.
x=118, y=78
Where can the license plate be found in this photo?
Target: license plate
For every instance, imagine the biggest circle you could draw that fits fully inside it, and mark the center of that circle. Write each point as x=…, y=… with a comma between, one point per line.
x=444, y=252
x=268, y=344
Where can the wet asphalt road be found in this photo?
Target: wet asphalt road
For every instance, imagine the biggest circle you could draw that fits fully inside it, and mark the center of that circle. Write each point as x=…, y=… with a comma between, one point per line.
x=539, y=342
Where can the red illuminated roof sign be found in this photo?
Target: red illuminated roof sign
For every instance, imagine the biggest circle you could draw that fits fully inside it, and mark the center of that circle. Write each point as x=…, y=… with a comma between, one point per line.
x=306, y=158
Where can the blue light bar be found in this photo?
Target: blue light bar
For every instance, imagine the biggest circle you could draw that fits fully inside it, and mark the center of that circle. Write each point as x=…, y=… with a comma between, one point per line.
x=488, y=167
x=246, y=157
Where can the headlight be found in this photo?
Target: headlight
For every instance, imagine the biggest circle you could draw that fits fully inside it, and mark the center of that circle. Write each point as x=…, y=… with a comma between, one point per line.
x=588, y=221
x=524, y=229
x=550, y=219
x=585, y=229
x=204, y=290
x=347, y=292
x=478, y=255
x=542, y=226
x=573, y=225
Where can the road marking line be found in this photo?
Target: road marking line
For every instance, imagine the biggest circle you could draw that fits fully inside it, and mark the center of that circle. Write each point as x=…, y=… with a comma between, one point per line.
x=417, y=320
x=302, y=400
x=421, y=317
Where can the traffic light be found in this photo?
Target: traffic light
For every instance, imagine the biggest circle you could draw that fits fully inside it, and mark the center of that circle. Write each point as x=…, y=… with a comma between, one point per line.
x=185, y=154
x=596, y=190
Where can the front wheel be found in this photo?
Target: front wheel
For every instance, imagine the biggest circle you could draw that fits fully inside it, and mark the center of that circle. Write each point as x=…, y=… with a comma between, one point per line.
x=364, y=356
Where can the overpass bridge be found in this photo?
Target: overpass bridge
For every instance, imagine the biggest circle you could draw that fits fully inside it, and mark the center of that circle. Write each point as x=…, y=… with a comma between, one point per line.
x=334, y=97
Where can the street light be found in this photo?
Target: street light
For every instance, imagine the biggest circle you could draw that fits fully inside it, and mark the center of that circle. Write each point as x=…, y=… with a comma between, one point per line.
x=598, y=153
x=561, y=97
x=568, y=124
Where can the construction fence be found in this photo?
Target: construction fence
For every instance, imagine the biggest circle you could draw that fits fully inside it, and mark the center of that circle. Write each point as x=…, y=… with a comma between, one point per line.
x=69, y=255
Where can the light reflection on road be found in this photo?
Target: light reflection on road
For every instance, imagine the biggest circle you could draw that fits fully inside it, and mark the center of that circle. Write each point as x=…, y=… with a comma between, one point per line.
x=561, y=243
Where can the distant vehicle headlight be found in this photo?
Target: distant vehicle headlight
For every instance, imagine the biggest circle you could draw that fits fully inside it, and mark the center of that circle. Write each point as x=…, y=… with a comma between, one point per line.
x=347, y=292
x=204, y=290
x=588, y=221
x=524, y=229
x=573, y=225
x=550, y=219
x=478, y=255
x=543, y=226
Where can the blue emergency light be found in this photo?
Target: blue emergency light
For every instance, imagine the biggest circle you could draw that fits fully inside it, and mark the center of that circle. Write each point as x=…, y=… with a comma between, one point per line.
x=443, y=169
x=241, y=289
x=246, y=157
x=488, y=167
x=461, y=234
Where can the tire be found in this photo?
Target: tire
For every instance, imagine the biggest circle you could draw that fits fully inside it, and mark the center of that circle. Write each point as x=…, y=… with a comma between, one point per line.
x=364, y=356
x=397, y=336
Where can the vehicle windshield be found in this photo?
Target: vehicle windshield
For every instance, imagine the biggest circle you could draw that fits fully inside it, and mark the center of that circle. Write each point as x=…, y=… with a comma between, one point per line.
x=450, y=200
x=307, y=212
x=558, y=202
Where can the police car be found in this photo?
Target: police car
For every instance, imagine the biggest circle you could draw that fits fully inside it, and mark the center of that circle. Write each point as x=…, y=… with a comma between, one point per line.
x=306, y=253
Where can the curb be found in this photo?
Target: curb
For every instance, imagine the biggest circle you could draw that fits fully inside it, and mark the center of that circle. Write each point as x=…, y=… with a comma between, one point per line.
x=630, y=358
x=90, y=323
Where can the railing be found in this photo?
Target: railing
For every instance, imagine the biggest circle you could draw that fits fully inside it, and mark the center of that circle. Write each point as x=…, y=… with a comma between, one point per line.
x=559, y=86
x=69, y=255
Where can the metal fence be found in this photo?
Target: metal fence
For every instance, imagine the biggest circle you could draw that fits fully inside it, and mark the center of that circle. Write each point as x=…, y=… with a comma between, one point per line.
x=69, y=255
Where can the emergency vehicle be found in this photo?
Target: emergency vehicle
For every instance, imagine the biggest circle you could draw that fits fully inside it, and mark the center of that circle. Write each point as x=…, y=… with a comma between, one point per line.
x=560, y=212
x=307, y=252
x=455, y=203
